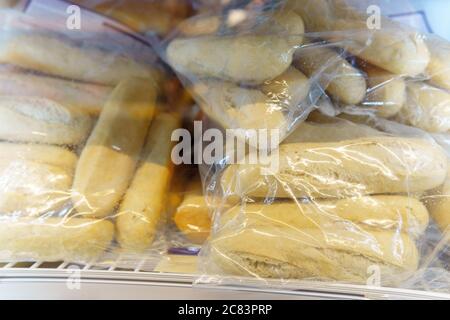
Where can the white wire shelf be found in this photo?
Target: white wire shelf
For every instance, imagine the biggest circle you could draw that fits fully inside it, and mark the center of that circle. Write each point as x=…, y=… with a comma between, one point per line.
x=17, y=280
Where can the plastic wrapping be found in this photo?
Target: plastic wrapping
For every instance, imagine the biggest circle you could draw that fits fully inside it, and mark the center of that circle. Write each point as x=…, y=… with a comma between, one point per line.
x=241, y=69
x=358, y=200
x=85, y=141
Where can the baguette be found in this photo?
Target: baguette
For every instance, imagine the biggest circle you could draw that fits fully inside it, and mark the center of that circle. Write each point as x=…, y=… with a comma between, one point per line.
x=342, y=81
x=394, y=48
x=31, y=51
x=289, y=89
x=26, y=119
x=284, y=252
x=341, y=169
x=427, y=108
x=142, y=207
x=386, y=93
x=396, y=213
x=439, y=67
x=231, y=58
x=80, y=96
x=34, y=178
x=54, y=239
x=108, y=160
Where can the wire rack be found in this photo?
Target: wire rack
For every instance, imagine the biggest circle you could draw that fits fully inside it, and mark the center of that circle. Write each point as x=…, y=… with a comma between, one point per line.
x=140, y=274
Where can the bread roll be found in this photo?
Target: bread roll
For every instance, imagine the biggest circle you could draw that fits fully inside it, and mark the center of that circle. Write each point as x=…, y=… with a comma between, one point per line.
x=108, y=160
x=285, y=252
x=34, y=179
x=386, y=93
x=342, y=81
x=341, y=169
x=288, y=89
x=231, y=58
x=80, y=96
x=439, y=67
x=283, y=23
x=54, y=239
x=66, y=60
x=427, y=108
x=27, y=119
x=396, y=213
x=394, y=48
x=142, y=207
x=193, y=216
x=242, y=108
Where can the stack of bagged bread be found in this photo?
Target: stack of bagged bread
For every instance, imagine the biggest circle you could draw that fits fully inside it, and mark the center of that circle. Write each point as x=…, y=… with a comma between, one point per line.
x=343, y=197
x=85, y=152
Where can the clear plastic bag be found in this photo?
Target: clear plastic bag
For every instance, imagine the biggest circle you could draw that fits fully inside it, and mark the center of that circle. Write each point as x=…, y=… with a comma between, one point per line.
x=240, y=67
x=85, y=162
x=317, y=218
x=343, y=200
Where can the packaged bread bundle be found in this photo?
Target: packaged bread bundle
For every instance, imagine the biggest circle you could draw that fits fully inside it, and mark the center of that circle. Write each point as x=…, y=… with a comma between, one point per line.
x=254, y=68
x=85, y=161
x=338, y=201
x=405, y=72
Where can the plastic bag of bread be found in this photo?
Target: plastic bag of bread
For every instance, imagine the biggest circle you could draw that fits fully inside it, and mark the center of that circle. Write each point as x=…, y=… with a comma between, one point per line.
x=344, y=203
x=85, y=142
x=254, y=67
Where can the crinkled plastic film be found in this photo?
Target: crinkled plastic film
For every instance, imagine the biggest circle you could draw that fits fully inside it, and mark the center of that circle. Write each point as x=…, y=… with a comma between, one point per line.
x=358, y=196
x=85, y=135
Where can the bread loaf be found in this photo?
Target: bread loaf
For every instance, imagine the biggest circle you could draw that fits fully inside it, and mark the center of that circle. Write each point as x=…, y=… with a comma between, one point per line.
x=342, y=81
x=27, y=119
x=193, y=215
x=386, y=93
x=54, y=239
x=427, y=108
x=341, y=169
x=288, y=89
x=394, y=48
x=231, y=58
x=66, y=60
x=396, y=213
x=109, y=158
x=285, y=252
x=80, y=96
x=34, y=179
x=142, y=207
x=242, y=108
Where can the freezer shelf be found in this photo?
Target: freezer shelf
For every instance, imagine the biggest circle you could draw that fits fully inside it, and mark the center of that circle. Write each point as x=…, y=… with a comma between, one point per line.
x=41, y=280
